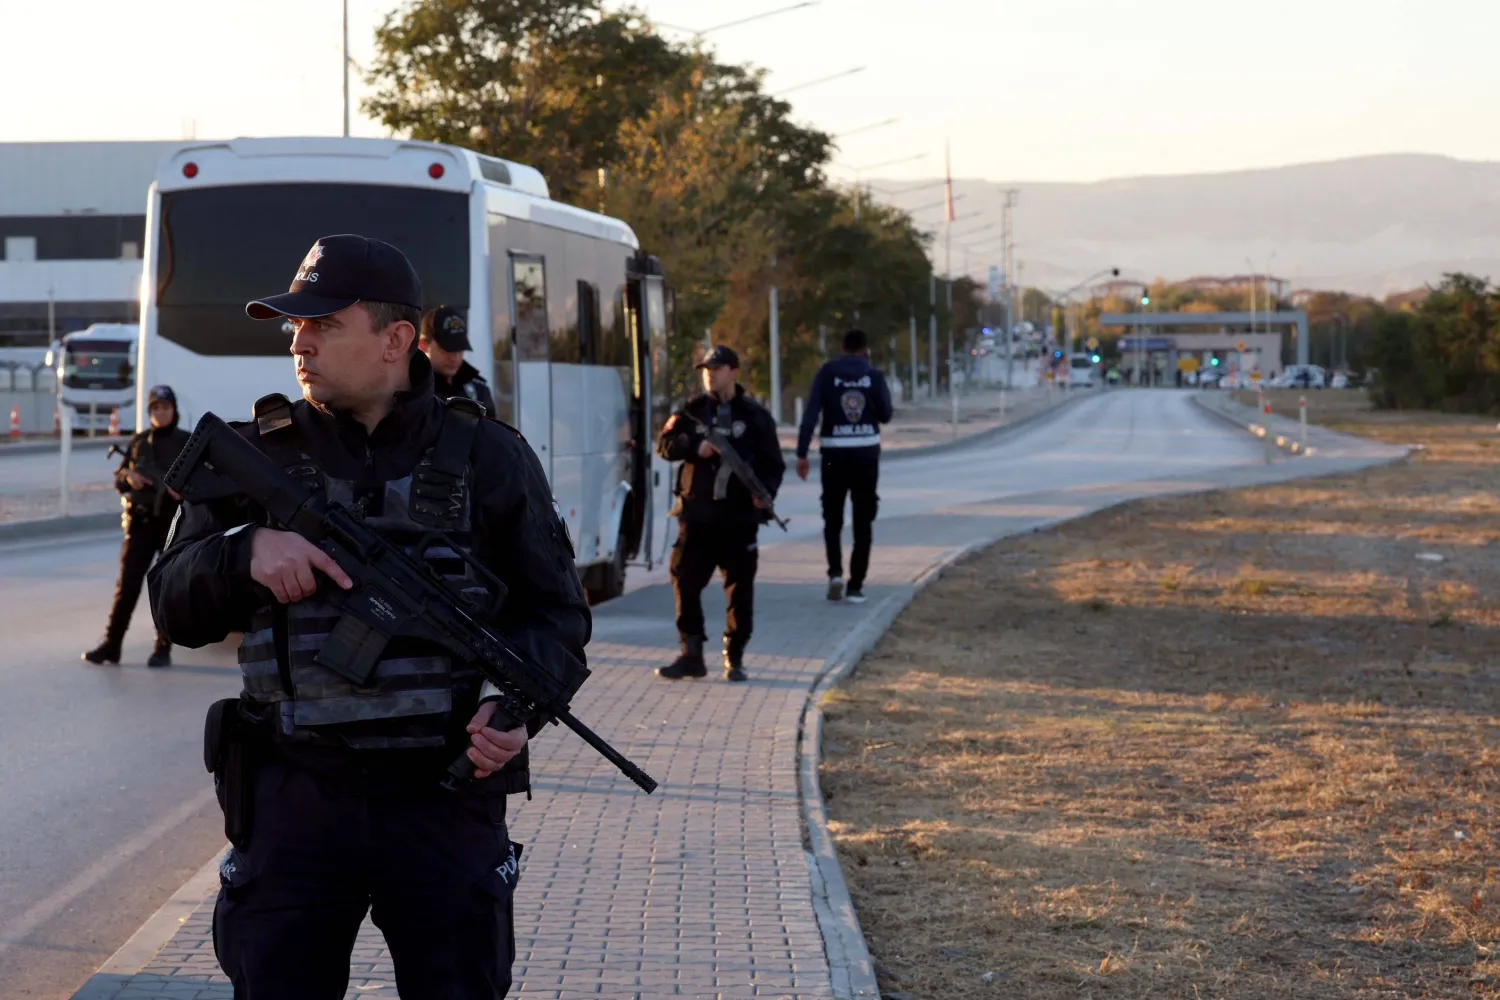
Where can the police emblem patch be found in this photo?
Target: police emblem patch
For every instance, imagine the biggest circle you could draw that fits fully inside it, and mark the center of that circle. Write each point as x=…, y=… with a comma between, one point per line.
x=737, y=428
x=306, y=272
x=853, y=404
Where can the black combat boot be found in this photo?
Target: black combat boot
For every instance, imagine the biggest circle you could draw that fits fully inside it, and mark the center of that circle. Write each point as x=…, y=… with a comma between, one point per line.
x=108, y=651
x=689, y=664
x=161, y=655
x=734, y=661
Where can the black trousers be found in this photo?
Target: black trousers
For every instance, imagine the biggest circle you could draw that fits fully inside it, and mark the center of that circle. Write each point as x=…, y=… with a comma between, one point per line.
x=856, y=479
x=701, y=549
x=144, y=538
x=436, y=871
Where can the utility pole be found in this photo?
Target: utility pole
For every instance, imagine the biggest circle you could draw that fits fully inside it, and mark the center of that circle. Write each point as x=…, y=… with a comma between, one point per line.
x=1008, y=236
x=948, y=260
x=346, y=69
x=932, y=336
x=775, y=348
x=913, y=356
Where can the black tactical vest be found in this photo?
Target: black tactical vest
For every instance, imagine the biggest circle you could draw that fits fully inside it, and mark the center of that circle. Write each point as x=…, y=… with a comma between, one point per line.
x=409, y=699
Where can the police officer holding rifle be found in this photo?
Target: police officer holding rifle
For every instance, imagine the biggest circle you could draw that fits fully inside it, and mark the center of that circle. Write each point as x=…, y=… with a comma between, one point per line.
x=332, y=787
x=149, y=509
x=719, y=511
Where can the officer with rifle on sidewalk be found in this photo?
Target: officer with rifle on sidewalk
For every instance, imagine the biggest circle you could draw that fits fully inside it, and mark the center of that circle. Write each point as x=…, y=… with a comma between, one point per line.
x=731, y=470
x=149, y=509
x=365, y=766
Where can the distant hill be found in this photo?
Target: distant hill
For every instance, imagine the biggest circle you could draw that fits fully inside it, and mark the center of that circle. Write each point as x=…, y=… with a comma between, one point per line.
x=1373, y=225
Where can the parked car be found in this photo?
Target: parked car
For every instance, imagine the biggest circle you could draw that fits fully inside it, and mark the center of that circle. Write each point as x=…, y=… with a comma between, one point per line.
x=1302, y=377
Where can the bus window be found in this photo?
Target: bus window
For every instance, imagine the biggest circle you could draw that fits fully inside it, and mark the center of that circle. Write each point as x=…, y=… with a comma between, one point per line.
x=99, y=364
x=664, y=384
x=588, y=323
x=223, y=246
x=530, y=290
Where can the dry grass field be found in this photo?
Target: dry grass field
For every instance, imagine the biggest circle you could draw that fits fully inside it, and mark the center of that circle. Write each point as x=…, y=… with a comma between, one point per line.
x=1239, y=745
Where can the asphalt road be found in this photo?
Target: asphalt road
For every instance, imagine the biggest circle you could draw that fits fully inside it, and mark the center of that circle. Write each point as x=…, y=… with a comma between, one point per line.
x=107, y=807
x=30, y=473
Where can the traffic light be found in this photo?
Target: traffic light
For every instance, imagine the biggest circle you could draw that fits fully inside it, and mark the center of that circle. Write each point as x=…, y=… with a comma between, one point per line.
x=1094, y=358
x=1214, y=362
x=1145, y=298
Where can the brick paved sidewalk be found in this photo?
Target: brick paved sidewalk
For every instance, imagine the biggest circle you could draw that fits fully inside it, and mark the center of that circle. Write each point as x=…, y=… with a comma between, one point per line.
x=703, y=888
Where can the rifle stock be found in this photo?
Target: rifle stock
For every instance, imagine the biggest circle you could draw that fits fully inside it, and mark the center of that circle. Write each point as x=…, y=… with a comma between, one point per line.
x=392, y=593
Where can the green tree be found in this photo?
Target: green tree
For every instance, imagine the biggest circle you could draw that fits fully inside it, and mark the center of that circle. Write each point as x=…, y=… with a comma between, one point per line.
x=547, y=83
x=711, y=172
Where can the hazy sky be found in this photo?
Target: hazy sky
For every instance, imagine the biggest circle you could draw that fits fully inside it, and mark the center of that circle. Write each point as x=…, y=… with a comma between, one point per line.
x=1026, y=89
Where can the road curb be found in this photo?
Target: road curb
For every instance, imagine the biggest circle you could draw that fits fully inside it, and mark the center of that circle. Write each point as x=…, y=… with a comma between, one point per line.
x=53, y=527
x=152, y=936
x=850, y=966
x=40, y=447
x=1281, y=441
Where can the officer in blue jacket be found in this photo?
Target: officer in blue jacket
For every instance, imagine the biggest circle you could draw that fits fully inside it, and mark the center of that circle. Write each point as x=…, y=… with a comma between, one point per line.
x=851, y=400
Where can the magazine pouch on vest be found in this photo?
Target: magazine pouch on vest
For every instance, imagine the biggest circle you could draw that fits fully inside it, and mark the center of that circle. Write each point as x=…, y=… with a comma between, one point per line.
x=338, y=665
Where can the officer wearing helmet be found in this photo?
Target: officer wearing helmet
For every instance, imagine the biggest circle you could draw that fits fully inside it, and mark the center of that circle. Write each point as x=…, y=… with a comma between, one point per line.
x=445, y=338
x=149, y=509
x=331, y=789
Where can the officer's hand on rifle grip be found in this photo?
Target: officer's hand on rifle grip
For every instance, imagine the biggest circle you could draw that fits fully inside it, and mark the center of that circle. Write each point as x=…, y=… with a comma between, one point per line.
x=492, y=748
x=707, y=450
x=283, y=562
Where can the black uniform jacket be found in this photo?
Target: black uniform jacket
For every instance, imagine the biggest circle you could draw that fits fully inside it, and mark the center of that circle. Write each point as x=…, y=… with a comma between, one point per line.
x=466, y=382
x=151, y=453
x=201, y=588
x=753, y=434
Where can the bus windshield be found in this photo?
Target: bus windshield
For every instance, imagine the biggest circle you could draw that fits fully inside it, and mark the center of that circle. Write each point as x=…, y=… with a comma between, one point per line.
x=1080, y=361
x=99, y=364
x=221, y=247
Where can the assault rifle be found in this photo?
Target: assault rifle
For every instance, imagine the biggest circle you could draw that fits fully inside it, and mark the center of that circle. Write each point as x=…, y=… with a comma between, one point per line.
x=739, y=467
x=392, y=593
x=147, y=467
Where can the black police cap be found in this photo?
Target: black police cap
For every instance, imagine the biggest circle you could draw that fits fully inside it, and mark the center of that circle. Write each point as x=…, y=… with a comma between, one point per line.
x=720, y=355
x=339, y=271
x=446, y=326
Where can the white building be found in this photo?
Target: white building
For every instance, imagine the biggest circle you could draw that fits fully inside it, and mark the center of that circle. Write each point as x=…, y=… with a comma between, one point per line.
x=72, y=224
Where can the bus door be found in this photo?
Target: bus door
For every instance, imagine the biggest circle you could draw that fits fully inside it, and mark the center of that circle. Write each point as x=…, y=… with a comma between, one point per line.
x=533, y=366
x=646, y=536
x=663, y=475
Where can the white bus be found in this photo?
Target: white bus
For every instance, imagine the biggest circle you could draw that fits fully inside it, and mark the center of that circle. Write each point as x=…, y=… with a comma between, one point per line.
x=568, y=319
x=96, y=376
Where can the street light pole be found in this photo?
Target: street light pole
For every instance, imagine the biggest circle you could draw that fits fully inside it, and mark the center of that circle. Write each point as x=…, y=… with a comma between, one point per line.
x=346, y=69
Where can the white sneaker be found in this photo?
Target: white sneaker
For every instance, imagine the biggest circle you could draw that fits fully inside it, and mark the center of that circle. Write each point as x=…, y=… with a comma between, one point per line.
x=836, y=588
x=856, y=595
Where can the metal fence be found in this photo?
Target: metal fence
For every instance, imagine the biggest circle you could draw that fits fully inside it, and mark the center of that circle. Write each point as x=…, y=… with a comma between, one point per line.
x=30, y=390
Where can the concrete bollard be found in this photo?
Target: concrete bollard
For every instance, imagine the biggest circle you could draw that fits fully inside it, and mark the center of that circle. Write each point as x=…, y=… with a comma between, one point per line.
x=1302, y=414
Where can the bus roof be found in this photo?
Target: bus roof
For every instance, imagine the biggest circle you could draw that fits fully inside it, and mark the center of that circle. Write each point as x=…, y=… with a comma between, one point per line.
x=431, y=165
x=104, y=331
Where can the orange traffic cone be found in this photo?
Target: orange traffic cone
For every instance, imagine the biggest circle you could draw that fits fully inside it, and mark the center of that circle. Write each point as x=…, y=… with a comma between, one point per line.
x=114, y=422
x=15, y=423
